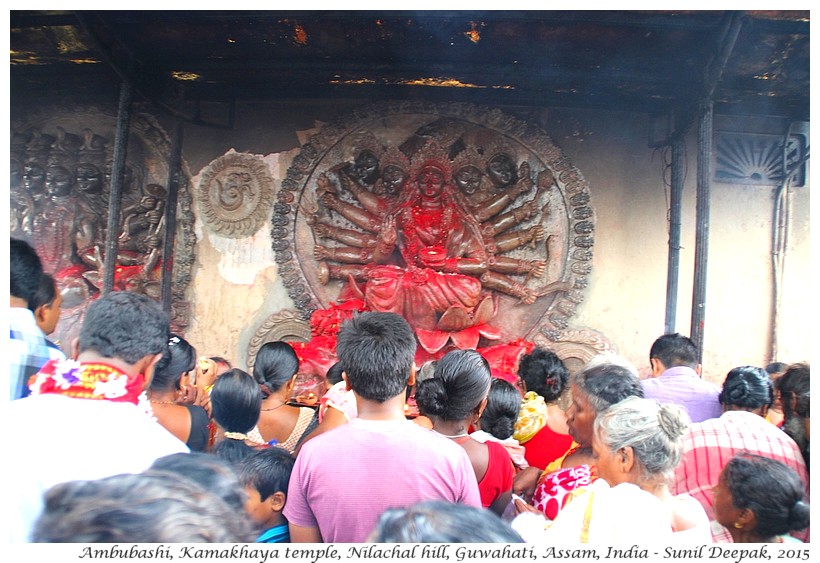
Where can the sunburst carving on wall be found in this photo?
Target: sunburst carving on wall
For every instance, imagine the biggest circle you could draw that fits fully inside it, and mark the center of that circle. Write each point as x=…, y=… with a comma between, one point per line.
x=756, y=159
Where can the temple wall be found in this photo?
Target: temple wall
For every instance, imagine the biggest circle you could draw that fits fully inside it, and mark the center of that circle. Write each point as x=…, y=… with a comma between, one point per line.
x=626, y=300
x=236, y=285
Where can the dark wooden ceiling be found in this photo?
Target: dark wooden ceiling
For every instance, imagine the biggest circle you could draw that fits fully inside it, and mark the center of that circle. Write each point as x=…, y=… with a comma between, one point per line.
x=749, y=63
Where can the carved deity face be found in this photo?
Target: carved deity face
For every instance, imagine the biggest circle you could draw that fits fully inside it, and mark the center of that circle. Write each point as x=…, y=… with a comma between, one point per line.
x=366, y=167
x=89, y=178
x=468, y=179
x=393, y=179
x=34, y=177
x=501, y=169
x=431, y=181
x=58, y=181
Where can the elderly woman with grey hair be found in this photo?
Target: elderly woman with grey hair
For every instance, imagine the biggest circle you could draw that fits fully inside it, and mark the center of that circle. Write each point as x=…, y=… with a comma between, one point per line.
x=637, y=444
x=639, y=441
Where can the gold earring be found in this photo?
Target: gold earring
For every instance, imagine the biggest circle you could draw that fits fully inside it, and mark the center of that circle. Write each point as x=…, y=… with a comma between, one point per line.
x=738, y=525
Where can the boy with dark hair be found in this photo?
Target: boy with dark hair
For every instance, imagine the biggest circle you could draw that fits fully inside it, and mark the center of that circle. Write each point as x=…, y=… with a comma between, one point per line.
x=28, y=347
x=387, y=460
x=46, y=306
x=377, y=352
x=676, y=378
x=265, y=475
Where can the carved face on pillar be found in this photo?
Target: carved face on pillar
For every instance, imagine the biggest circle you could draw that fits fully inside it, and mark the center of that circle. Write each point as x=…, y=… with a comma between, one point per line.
x=431, y=182
x=58, y=181
x=501, y=169
x=366, y=167
x=393, y=179
x=89, y=178
x=34, y=177
x=468, y=179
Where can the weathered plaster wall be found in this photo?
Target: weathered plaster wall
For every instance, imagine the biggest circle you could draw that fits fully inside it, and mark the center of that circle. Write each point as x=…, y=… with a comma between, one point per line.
x=236, y=285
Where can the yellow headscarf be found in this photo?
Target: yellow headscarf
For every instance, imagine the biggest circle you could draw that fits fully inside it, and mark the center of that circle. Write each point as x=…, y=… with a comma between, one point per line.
x=532, y=416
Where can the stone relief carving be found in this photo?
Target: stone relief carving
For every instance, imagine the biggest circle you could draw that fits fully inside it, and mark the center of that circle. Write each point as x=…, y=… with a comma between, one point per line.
x=355, y=215
x=61, y=162
x=235, y=195
x=283, y=325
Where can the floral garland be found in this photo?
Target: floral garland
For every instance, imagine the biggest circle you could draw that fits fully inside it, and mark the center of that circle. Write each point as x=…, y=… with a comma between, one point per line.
x=87, y=381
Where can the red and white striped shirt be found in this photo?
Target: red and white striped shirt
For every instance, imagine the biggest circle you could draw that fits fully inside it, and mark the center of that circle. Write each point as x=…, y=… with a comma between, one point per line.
x=709, y=445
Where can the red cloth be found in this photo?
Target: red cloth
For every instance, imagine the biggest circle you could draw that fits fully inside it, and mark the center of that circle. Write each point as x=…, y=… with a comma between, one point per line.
x=555, y=490
x=545, y=447
x=499, y=476
x=503, y=358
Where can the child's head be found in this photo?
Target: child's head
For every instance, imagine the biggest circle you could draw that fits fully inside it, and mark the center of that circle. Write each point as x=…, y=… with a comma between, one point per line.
x=265, y=475
x=46, y=304
x=334, y=374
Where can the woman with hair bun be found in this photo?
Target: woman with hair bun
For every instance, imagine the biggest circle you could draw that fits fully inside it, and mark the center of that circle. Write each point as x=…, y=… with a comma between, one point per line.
x=275, y=371
x=637, y=443
x=747, y=388
x=760, y=500
x=187, y=422
x=497, y=422
x=542, y=423
x=454, y=399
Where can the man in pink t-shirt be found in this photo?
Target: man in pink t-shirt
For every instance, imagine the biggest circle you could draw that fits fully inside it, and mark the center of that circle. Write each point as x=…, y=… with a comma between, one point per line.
x=344, y=479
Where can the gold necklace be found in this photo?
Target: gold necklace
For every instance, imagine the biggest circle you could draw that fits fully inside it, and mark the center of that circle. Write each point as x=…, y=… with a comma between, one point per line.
x=161, y=402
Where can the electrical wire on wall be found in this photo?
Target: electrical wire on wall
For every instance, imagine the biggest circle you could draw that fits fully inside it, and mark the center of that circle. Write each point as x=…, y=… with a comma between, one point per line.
x=665, y=153
x=673, y=173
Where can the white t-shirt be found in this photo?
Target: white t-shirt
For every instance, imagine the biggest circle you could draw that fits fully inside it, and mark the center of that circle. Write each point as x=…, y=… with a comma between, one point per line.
x=52, y=439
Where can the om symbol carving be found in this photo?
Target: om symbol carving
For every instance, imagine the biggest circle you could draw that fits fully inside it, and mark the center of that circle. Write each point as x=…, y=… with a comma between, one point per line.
x=235, y=195
x=232, y=192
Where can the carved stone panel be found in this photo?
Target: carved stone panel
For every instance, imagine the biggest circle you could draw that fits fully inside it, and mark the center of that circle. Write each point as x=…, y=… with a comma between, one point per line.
x=506, y=246
x=284, y=325
x=235, y=195
x=61, y=160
